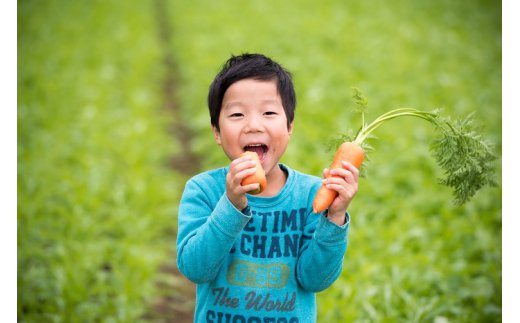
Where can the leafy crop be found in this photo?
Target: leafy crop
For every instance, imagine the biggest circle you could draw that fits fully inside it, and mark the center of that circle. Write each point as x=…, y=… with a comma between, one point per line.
x=96, y=202
x=97, y=206
x=466, y=158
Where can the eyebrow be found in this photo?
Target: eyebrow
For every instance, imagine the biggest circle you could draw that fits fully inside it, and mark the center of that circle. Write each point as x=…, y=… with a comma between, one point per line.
x=240, y=104
x=270, y=101
x=231, y=105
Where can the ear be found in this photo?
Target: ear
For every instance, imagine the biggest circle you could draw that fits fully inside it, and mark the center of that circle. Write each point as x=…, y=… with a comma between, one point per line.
x=216, y=134
x=290, y=128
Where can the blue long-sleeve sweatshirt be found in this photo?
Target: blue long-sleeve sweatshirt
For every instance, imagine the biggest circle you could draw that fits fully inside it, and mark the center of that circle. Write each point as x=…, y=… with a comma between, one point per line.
x=262, y=264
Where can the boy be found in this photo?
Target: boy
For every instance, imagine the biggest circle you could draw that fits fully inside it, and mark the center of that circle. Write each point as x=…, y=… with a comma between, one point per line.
x=259, y=258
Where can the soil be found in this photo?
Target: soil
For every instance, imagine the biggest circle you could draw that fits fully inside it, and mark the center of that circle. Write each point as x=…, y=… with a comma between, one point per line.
x=177, y=294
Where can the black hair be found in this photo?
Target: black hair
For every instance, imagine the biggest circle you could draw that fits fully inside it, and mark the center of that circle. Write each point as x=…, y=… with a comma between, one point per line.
x=252, y=66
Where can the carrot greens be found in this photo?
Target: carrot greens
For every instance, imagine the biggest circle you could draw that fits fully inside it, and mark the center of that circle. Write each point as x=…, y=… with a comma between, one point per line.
x=459, y=149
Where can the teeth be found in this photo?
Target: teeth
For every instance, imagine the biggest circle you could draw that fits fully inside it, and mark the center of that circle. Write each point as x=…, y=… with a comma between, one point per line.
x=254, y=145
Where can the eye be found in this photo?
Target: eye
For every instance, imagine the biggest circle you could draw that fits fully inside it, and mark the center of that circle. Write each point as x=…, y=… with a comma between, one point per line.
x=270, y=113
x=236, y=115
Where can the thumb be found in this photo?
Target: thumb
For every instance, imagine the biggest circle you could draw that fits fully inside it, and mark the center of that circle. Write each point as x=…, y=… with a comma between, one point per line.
x=325, y=172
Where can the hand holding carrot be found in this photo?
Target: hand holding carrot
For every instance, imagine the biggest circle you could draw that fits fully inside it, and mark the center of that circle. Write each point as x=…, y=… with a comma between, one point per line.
x=239, y=169
x=344, y=181
x=348, y=152
x=257, y=177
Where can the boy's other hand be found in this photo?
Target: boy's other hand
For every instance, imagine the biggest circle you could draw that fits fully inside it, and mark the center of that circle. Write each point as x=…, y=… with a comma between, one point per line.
x=345, y=182
x=239, y=169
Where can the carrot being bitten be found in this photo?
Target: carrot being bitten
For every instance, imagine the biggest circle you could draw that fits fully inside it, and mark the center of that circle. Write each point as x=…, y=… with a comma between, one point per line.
x=257, y=177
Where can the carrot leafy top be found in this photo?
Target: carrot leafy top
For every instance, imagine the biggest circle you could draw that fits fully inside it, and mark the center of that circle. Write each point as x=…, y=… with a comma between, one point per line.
x=459, y=148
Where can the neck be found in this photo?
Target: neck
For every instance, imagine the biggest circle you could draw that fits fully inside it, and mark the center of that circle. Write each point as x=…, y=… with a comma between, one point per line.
x=275, y=181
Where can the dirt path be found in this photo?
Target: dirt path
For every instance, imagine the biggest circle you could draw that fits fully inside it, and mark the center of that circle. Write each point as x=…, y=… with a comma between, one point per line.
x=177, y=299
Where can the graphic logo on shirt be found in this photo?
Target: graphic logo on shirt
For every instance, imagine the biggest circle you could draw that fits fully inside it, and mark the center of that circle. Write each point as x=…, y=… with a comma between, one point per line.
x=244, y=273
x=268, y=235
x=274, y=309
x=272, y=234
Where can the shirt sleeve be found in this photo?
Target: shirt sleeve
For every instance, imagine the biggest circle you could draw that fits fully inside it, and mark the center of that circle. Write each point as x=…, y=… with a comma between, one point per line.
x=323, y=248
x=206, y=232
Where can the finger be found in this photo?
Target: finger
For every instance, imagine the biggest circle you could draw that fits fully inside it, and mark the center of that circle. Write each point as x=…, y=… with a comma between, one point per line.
x=240, y=164
x=244, y=173
x=344, y=189
x=345, y=194
x=236, y=188
x=336, y=187
x=336, y=180
x=237, y=173
x=235, y=178
x=240, y=160
x=345, y=174
x=325, y=172
x=250, y=187
x=350, y=167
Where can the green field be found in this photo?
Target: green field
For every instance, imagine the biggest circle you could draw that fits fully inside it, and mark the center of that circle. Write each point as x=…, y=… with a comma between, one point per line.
x=106, y=90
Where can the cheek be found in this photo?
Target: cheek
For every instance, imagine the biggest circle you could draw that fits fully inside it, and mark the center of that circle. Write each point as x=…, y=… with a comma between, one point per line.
x=283, y=140
x=228, y=137
x=287, y=134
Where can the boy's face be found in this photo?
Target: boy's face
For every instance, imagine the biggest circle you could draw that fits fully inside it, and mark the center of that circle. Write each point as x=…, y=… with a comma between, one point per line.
x=252, y=118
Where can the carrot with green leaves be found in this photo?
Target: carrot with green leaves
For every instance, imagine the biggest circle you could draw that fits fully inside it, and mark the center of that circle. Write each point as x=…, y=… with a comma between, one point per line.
x=348, y=151
x=466, y=158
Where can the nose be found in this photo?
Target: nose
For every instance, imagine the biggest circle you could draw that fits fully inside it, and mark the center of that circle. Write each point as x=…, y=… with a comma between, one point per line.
x=254, y=124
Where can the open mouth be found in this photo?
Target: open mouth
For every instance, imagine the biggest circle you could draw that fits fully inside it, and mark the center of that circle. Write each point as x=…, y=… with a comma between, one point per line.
x=259, y=149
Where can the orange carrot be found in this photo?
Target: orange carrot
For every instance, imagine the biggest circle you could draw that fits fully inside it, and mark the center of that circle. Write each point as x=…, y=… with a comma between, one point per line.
x=348, y=151
x=258, y=177
x=466, y=158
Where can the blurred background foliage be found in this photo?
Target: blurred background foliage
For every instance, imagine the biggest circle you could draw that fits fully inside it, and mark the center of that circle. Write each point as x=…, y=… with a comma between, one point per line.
x=103, y=87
